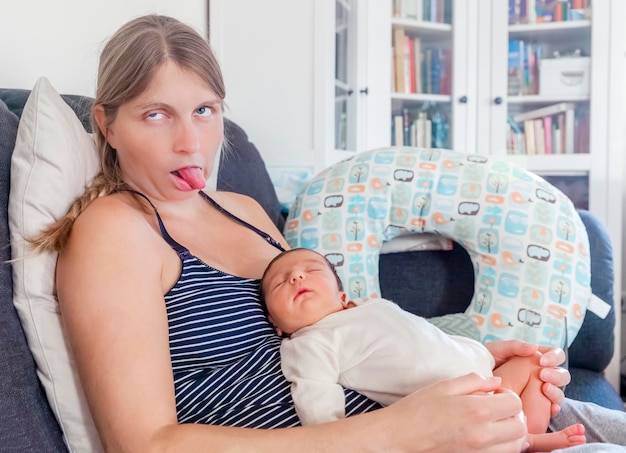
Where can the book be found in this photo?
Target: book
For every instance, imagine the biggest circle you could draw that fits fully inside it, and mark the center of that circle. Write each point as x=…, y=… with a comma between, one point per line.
x=445, y=78
x=529, y=132
x=398, y=130
x=436, y=71
x=515, y=67
x=417, y=58
x=397, y=8
x=428, y=71
x=398, y=53
x=556, y=137
x=532, y=12
x=408, y=65
x=409, y=9
x=513, y=11
x=424, y=131
x=516, y=138
x=540, y=146
x=546, y=10
x=406, y=127
x=547, y=131
x=427, y=10
x=564, y=9
x=569, y=131
x=561, y=122
x=545, y=111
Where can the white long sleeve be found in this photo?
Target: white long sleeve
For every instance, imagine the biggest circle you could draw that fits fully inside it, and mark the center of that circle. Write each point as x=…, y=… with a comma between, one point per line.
x=376, y=349
x=313, y=371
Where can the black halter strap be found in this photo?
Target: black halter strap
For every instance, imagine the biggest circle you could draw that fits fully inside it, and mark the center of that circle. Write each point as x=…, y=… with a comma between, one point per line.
x=182, y=251
x=263, y=234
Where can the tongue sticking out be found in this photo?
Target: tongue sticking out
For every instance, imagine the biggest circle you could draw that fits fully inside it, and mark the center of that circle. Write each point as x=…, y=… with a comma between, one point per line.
x=193, y=176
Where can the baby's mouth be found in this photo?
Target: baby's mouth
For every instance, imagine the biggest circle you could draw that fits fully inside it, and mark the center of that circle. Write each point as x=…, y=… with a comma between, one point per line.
x=301, y=291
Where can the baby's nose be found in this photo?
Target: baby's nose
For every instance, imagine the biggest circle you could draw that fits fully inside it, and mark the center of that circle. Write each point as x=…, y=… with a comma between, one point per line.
x=296, y=275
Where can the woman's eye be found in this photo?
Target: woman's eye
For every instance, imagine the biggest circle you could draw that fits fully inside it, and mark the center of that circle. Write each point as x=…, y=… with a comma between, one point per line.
x=155, y=116
x=204, y=111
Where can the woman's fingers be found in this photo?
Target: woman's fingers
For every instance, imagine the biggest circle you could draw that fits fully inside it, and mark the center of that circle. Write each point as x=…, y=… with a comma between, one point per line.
x=551, y=357
x=504, y=350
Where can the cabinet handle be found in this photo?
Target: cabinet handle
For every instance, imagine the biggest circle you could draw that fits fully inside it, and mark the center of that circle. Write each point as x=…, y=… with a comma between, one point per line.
x=463, y=99
x=497, y=100
x=365, y=91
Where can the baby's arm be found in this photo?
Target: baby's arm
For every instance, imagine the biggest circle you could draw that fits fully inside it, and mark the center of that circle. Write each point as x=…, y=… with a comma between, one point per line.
x=312, y=369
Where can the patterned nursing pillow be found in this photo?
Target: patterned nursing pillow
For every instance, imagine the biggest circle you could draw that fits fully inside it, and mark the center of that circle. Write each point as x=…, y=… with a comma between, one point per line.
x=526, y=242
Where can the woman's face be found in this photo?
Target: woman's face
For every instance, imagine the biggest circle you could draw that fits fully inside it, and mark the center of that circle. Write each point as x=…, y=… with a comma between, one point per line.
x=166, y=138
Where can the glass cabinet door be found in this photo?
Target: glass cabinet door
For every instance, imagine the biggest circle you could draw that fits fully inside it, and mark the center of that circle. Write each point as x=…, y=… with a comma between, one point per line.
x=548, y=82
x=345, y=74
x=422, y=83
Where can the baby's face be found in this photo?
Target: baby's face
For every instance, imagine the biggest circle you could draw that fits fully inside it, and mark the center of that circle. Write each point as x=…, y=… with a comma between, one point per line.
x=300, y=288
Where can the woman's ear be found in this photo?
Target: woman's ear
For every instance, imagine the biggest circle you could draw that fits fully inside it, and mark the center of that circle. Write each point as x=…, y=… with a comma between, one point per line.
x=101, y=120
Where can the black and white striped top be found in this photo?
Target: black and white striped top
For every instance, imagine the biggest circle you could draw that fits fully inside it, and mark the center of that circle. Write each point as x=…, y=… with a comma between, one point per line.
x=225, y=354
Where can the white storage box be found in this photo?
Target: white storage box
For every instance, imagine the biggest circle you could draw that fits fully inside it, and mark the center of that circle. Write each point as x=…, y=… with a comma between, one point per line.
x=564, y=76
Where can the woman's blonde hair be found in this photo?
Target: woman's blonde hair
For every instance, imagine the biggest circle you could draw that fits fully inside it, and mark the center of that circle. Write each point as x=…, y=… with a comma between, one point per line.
x=128, y=63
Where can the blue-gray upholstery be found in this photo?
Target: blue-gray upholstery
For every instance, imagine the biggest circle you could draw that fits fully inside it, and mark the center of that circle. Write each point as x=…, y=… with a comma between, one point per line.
x=433, y=283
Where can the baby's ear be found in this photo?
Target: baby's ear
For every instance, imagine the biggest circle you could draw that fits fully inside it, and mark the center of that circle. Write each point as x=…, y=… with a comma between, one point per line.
x=344, y=299
x=279, y=332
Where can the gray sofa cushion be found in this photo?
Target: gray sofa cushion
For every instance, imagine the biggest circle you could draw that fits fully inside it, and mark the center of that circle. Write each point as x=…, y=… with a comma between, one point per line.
x=242, y=170
x=26, y=421
x=16, y=98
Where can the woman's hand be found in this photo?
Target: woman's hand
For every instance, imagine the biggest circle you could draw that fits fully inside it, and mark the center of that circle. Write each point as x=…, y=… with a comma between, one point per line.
x=553, y=376
x=468, y=414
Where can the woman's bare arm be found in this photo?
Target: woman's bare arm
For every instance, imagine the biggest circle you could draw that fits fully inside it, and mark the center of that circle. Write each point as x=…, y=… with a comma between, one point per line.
x=111, y=290
x=111, y=299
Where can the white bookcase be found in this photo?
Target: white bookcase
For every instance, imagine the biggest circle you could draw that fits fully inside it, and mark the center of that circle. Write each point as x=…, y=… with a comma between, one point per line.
x=280, y=61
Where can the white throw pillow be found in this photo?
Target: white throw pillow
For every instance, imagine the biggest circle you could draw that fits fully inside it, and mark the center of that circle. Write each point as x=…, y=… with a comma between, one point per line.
x=53, y=160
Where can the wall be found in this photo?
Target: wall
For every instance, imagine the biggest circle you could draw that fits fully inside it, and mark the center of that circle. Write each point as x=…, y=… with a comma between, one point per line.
x=61, y=39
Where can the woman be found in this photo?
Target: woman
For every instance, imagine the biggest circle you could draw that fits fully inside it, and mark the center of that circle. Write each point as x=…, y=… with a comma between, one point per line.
x=189, y=369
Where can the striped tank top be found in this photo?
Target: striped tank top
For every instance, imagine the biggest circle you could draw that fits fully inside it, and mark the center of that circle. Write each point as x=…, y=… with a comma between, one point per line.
x=225, y=354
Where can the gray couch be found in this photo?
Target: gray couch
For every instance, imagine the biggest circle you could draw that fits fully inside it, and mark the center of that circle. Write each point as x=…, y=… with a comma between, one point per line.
x=445, y=285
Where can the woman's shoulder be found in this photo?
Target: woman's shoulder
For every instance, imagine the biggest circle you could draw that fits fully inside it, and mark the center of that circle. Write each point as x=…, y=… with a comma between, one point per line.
x=110, y=206
x=117, y=214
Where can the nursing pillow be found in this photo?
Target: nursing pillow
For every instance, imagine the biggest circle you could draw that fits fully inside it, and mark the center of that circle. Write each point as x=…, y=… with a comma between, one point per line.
x=526, y=242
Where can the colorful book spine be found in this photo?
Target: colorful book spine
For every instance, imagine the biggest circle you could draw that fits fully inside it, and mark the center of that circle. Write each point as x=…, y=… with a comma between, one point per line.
x=547, y=131
x=515, y=68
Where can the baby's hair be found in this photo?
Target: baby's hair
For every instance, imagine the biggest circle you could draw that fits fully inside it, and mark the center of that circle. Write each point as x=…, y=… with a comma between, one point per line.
x=280, y=255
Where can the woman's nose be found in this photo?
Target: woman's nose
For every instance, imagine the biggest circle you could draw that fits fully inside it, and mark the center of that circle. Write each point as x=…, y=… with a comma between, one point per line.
x=187, y=139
